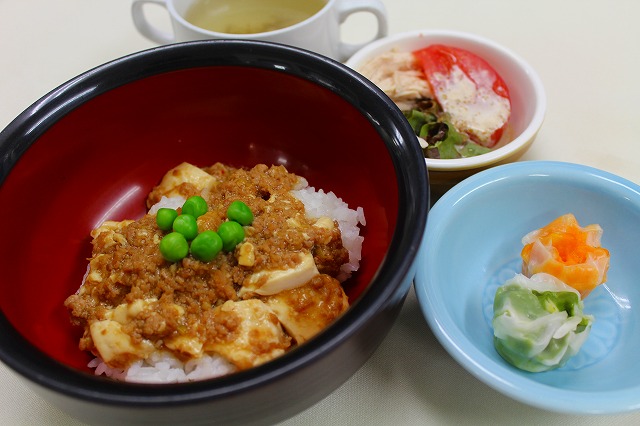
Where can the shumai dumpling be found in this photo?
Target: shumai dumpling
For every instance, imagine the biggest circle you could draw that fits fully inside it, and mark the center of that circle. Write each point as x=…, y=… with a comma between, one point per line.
x=567, y=251
x=538, y=322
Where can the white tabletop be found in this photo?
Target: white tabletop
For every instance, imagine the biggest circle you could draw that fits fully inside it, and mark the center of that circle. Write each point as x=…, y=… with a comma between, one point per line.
x=588, y=56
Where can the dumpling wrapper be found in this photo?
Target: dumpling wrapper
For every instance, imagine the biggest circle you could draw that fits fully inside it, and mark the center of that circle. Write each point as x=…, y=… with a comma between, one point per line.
x=538, y=322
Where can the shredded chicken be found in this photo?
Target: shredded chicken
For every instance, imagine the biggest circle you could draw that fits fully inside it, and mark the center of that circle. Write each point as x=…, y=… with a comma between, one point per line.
x=399, y=76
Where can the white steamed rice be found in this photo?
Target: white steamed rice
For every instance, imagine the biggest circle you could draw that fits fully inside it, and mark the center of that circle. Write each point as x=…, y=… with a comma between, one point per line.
x=318, y=204
x=162, y=367
x=168, y=203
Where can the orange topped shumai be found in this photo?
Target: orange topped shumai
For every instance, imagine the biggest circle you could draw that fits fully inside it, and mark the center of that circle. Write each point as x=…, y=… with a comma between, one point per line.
x=567, y=251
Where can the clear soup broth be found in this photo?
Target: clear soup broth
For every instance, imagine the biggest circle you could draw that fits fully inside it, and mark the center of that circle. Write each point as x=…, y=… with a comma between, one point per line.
x=250, y=16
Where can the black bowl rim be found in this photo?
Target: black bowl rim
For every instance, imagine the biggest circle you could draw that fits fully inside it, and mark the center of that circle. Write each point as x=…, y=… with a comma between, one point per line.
x=413, y=192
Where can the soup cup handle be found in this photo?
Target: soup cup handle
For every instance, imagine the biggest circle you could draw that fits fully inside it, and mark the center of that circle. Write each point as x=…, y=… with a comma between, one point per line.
x=145, y=27
x=348, y=7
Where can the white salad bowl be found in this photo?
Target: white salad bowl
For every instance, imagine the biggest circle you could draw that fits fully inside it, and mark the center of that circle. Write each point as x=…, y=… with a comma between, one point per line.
x=528, y=99
x=479, y=224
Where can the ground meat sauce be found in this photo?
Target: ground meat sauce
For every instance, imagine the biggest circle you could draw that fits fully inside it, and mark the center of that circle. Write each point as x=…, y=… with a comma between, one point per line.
x=137, y=302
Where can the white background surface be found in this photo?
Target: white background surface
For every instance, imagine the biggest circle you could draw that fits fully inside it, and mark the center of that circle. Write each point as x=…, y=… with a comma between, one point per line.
x=587, y=54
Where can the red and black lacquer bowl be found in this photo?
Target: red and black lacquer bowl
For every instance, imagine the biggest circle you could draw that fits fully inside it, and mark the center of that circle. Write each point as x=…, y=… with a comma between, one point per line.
x=93, y=148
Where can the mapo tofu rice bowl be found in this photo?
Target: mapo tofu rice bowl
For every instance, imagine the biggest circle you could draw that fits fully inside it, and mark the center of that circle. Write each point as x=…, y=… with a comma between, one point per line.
x=222, y=227
x=200, y=300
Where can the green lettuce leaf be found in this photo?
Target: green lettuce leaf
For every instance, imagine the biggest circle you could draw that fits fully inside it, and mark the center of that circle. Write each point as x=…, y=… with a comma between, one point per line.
x=471, y=149
x=447, y=147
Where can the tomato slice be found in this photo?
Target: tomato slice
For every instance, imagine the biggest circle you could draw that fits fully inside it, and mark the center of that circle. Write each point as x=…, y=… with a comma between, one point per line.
x=469, y=90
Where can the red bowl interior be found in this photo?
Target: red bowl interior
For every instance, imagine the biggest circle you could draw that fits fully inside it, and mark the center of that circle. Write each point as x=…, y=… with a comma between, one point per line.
x=100, y=160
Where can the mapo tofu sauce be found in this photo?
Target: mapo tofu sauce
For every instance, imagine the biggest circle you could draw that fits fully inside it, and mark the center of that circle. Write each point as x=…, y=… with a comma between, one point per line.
x=275, y=290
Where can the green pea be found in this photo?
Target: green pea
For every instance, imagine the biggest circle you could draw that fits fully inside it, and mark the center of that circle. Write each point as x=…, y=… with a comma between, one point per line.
x=231, y=233
x=165, y=218
x=240, y=212
x=195, y=206
x=206, y=246
x=186, y=225
x=174, y=247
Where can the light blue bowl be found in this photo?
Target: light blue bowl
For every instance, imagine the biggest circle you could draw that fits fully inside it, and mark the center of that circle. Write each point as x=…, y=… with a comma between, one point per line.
x=472, y=245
